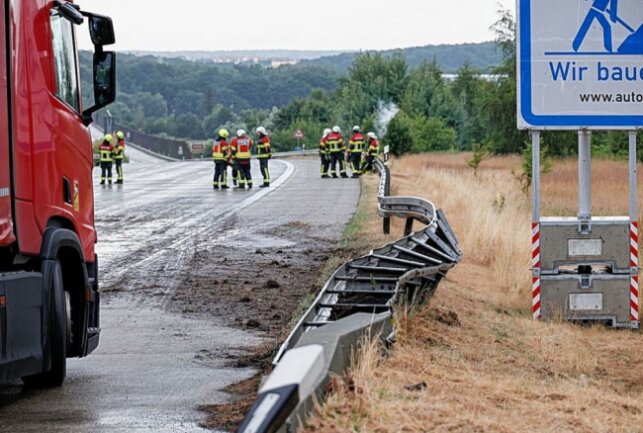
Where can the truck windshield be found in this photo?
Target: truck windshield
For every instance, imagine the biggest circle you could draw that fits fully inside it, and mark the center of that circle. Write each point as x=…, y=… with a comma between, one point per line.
x=67, y=87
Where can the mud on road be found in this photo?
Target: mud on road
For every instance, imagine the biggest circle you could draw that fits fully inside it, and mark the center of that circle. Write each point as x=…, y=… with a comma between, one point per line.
x=257, y=280
x=257, y=284
x=255, y=288
x=248, y=269
x=198, y=287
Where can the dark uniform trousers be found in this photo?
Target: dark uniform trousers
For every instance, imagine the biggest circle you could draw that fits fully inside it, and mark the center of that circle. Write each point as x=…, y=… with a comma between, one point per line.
x=243, y=172
x=263, y=164
x=335, y=158
x=106, y=171
x=356, y=162
x=119, y=168
x=220, y=172
x=325, y=164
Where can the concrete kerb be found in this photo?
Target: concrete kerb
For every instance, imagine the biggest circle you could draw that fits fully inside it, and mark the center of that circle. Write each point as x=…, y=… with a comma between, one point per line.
x=288, y=396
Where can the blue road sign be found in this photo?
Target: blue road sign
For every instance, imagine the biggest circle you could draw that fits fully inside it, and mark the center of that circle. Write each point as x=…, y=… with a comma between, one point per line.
x=580, y=64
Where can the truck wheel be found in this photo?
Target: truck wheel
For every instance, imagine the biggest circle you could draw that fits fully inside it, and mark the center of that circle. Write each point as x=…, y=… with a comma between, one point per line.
x=59, y=328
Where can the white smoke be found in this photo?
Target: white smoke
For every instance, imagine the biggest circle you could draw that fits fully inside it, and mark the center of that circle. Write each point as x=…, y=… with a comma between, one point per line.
x=385, y=113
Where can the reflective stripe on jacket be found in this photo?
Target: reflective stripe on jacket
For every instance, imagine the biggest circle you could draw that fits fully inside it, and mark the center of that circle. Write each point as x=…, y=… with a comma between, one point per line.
x=263, y=147
x=241, y=147
x=119, y=150
x=323, y=146
x=373, y=148
x=356, y=143
x=105, y=151
x=335, y=142
x=220, y=150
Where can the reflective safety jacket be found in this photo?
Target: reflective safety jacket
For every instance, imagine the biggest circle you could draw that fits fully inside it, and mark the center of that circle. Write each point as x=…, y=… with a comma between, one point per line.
x=119, y=150
x=356, y=143
x=220, y=150
x=106, y=149
x=263, y=147
x=323, y=146
x=335, y=142
x=241, y=148
x=373, y=147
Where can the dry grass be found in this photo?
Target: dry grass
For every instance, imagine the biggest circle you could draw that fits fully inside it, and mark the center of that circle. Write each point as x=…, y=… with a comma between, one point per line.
x=486, y=365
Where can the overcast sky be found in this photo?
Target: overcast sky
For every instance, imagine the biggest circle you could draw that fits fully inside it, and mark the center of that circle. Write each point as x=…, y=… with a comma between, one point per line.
x=210, y=25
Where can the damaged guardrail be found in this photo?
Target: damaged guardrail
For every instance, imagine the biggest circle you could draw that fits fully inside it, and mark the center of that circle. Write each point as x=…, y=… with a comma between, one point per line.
x=357, y=300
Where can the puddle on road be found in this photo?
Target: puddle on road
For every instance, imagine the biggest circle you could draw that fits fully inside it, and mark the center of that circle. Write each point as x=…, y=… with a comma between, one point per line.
x=256, y=241
x=142, y=423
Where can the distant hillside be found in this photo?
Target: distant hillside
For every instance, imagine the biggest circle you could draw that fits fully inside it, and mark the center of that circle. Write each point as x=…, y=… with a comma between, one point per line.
x=483, y=56
x=240, y=54
x=450, y=57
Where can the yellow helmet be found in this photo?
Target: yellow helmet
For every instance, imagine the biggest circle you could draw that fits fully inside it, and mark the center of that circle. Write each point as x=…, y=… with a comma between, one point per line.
x=108, y=137
x=223, y=133
x=120, y=135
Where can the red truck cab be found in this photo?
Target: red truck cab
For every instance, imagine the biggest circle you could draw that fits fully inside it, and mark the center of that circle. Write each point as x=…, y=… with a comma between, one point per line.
x=49, y=300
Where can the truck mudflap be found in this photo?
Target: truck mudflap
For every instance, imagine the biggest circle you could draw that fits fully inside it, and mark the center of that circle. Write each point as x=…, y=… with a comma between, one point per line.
x=93, y=310
x=21, y=324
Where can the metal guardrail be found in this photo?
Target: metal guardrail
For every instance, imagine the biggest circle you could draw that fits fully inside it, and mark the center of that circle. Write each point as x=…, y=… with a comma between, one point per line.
x=403, y=271
x=297, y=154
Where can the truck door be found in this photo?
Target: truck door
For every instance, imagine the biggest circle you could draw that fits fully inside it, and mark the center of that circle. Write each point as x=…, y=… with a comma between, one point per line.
x=6, y=223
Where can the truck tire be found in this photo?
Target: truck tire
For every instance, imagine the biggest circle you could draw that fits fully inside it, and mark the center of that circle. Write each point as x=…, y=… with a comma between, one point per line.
x=59, y=328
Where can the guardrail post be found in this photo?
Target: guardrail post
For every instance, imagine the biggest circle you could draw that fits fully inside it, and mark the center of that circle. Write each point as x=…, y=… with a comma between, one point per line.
x=387, y=225
x=387, y=192
x=408, y=228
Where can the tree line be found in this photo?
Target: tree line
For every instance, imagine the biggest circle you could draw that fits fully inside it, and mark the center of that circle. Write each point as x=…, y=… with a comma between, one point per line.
x=473, y=110
x=412, y=108
x=190, y=100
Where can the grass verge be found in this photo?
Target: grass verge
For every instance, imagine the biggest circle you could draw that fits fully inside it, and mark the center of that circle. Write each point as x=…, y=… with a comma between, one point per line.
x=472, y=360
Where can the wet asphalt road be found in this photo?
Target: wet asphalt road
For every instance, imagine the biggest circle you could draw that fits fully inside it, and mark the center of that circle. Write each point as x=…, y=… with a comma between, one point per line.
x=153, y=368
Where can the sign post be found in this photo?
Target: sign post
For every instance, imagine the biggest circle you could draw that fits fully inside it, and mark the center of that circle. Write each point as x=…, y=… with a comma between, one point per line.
x=299, y=135
x=197, y=149
x=580, y=67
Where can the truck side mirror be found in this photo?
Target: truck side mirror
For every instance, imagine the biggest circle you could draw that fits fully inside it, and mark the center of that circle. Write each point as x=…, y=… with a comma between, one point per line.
x=104, y=82
x=101, y=30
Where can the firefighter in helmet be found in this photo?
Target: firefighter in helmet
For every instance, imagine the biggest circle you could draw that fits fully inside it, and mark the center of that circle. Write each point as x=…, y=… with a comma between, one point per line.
x=355, y=149
x=220, y=154
x=119, y=156
x=106, y=150
x=324, y=154
x=264, y=154
x=241, y=147
x=373, y=148
x=336, y=146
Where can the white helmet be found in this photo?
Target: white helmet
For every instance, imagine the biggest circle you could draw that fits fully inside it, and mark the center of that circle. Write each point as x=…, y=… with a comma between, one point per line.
x=241, y=132
x=262, y=130
x=327, y=131
x=337, y=129
x=356, y=128
x=372, y=136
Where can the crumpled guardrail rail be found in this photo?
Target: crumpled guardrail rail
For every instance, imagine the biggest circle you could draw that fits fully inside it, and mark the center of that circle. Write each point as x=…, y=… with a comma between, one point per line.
x=368, y=287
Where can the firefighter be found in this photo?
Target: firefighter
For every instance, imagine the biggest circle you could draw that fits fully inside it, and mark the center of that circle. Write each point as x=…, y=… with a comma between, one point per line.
x=355, y=149
x=263, y=154
x=324, y=154
x=220, y=155
x=335, y=142
x=241, y=147
x=106, y=150
x=119, y=156
x=373, y=148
